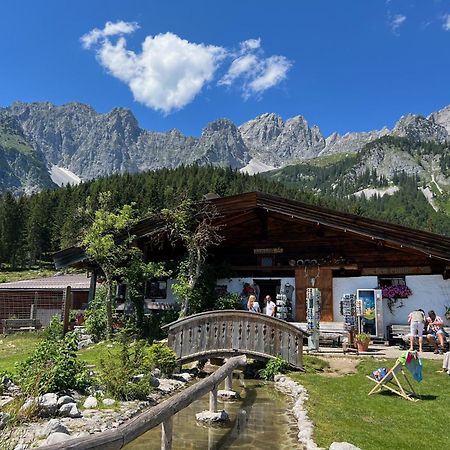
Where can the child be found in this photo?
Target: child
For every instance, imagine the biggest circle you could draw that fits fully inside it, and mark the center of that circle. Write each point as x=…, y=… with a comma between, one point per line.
x=416, y=320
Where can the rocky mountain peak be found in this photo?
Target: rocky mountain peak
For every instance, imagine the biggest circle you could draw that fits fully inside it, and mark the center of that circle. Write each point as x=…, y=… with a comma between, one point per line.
x=442, y=118
x=419, y=128
x=221, y=144
x=90, y=144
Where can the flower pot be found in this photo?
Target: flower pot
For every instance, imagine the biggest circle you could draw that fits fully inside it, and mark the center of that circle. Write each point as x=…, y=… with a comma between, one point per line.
x=362, y=346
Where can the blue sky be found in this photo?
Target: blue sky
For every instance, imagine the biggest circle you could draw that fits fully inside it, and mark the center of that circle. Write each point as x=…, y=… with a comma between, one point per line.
x=346, y=65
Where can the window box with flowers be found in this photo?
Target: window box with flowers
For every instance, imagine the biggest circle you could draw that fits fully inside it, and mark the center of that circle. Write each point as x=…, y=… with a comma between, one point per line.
x=395, y=295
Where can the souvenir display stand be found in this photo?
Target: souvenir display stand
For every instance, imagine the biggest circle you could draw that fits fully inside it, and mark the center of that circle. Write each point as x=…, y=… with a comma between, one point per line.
x=313, y=318
x=284, y=306
x=348, y=310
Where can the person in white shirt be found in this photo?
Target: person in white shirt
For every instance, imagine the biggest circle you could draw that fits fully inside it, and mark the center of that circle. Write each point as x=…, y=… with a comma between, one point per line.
x=253, y=304
x=416, y=321
x=270, y=306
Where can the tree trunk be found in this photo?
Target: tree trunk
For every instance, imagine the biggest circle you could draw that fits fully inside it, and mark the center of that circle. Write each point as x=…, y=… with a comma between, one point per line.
x=109, y=294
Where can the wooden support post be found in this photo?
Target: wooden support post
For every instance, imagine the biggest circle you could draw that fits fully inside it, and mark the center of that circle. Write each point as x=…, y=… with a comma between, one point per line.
x=213, y=400
x=229, y=382
x=92, y=286
x=34, y=306
x=67, y=305
x=166, y=434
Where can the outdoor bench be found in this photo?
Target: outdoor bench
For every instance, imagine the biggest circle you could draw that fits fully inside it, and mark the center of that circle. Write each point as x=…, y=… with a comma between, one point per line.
x=14, y=325
x=399, y=334
x=330, y=333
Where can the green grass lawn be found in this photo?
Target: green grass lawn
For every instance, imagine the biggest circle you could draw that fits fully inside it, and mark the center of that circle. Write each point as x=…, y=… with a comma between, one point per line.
x=342, y=411
x=8, y=276
x=92, y=355
x=16, y=348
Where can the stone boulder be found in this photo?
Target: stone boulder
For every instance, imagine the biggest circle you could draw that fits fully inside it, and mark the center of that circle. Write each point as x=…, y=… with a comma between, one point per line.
x=54, y=426
x=69, y=410
x=212, y=417
x=56, y=438
x=167, y=385
x=90, y=403
x=108, y=402
x=64, y=400
x=183, y=377
x=343, y=446
x=154, y=382
x=228, y=395
x=4, y=419
x=48, y=404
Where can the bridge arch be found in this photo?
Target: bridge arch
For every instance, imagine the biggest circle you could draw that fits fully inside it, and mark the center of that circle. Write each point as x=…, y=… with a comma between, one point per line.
x=229, y=333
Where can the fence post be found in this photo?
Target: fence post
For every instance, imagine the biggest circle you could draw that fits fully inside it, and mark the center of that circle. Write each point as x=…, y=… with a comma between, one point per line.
x=166, y=434
x=229, y=382
x=213, y=400
x=67, y=305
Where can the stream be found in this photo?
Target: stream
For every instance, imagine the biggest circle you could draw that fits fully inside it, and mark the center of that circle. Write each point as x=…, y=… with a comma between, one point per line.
x=258, y=421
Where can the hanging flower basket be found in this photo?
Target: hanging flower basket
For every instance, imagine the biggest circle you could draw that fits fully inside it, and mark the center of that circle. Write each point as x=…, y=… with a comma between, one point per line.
x=395, y=293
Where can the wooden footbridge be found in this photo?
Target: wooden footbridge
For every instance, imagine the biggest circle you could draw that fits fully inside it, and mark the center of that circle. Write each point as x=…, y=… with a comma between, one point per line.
x=227, y=333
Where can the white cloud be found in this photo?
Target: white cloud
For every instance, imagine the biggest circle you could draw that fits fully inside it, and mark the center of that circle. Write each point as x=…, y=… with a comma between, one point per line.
x=273, y=71
x=250, y=44
x=110, y=29
x=169, y=72
x=243, y=65
x=395, y=22
x=446, y=22
x=256, y=72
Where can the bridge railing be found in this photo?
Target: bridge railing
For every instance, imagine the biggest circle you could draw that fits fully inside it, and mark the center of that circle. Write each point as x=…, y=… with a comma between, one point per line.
x=159, y=414
x=229, y=332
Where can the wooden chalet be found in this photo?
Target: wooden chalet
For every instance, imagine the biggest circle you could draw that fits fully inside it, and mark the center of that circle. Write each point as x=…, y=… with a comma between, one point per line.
x=273, y=241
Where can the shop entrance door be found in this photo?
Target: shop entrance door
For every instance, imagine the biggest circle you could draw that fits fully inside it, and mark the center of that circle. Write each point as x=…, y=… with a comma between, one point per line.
x=268, y=287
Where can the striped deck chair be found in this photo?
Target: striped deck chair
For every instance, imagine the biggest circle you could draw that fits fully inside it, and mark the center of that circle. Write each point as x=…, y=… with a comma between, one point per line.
x=392, y=380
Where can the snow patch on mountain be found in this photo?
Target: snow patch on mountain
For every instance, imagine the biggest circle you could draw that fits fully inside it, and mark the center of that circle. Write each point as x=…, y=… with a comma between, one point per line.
x=255, y=166
x=62, y=176
x=371, y=192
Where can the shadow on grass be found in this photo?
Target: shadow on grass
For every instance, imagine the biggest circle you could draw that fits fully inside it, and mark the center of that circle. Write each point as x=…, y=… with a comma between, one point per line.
x=420, y=397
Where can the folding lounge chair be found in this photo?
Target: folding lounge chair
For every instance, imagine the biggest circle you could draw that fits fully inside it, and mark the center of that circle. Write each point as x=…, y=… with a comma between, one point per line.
x=391, y=381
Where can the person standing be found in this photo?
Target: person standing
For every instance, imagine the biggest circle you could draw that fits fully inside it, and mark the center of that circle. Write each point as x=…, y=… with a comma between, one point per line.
x=270, y=306
x=436, y=332
x=253, y=304
x=416, y=321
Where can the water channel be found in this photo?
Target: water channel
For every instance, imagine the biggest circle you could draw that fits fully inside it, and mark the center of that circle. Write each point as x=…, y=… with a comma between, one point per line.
x=258, y=421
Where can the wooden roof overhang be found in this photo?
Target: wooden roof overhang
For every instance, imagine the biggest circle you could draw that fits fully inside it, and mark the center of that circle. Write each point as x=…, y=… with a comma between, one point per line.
x=254, y=220
x=258, y=219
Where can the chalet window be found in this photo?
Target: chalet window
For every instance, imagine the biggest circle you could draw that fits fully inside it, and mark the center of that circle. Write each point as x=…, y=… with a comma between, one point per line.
x=391, y=281
x=266, y=261
x=156, y=289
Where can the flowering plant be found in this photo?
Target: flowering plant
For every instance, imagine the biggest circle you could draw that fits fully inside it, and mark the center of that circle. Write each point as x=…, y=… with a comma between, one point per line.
x=393, y=293
x=398, y=291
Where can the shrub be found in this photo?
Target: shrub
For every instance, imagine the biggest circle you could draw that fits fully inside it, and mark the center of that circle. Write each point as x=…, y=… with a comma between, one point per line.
x=229, y=301
x=161, y=356
x=55, y=329
x=273, y=367
x=53, y=366
x=95, y=316
x=117, y=372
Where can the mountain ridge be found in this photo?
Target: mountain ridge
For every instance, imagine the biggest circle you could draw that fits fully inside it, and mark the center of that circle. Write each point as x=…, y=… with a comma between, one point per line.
x=76, y=138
